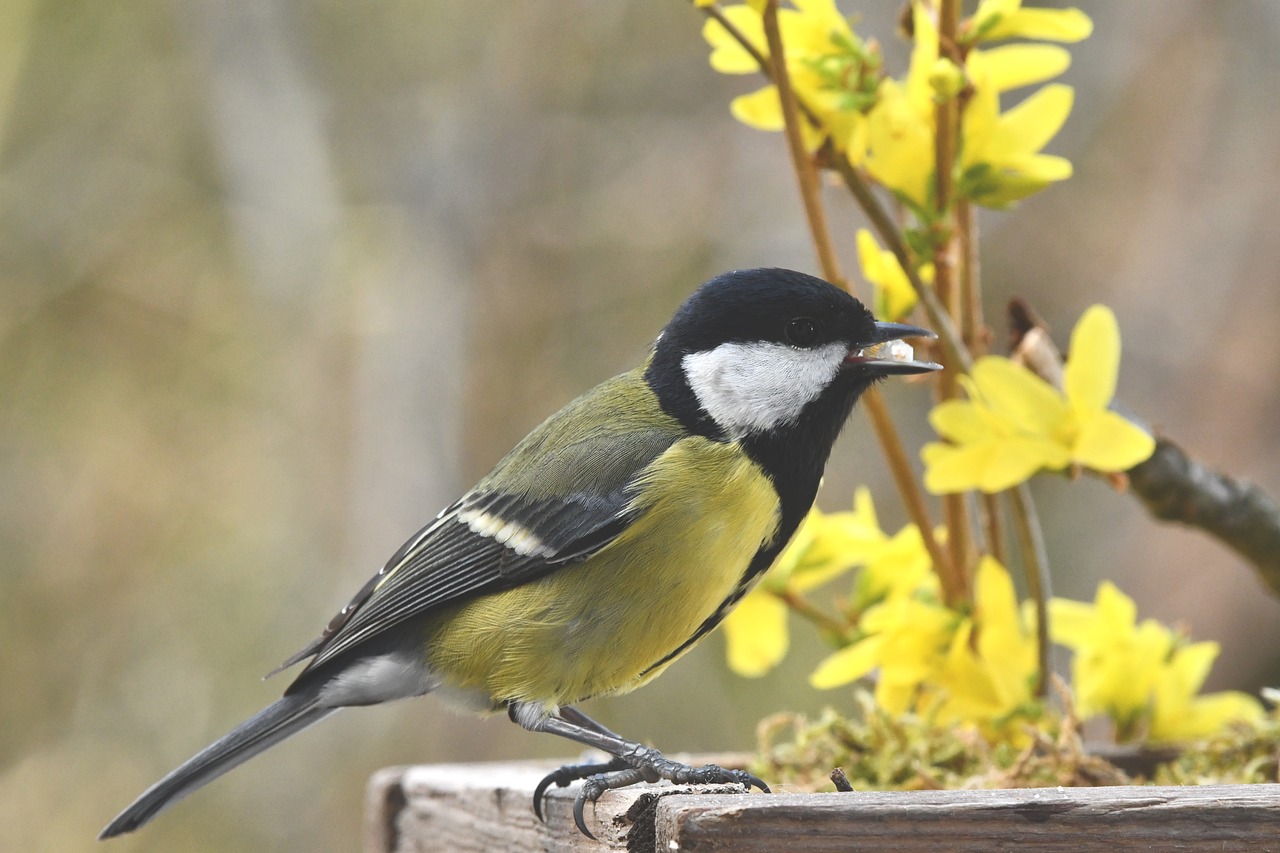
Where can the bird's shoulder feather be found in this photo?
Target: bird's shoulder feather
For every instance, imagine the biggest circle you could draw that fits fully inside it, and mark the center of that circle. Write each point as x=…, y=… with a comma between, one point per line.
x=563, y=493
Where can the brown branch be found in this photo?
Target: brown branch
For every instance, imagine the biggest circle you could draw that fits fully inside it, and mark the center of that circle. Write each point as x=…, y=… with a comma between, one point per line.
x=974, y=326
x=1035, y=567
x=800, y=160
x=1175, y=487
x=951, y=576
x=806, y=609
x=990, y=507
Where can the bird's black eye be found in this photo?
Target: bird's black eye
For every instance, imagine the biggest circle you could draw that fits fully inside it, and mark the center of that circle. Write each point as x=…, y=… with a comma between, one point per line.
x=802, y=331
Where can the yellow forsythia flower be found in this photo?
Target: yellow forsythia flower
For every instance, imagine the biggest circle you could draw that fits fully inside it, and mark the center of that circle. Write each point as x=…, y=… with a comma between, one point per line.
x=1000, y=159
x=988, y=680
x=1142, y=674
x=1015, y=424
x=906, y=640
x=1004, y=19
x=978, y=669
x=1179, y=714
x=901, y=125
x=828, y=65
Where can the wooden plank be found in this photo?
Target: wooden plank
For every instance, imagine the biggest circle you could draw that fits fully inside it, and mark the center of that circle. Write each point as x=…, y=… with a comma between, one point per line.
x=1045, y=820
x=459, y=808
x=486, y=807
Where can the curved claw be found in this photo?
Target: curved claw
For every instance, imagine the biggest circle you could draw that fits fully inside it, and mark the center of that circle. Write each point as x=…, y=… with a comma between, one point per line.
x=565, y=776
x=750, y=780
x=644, y=765
x=579, y=818
x=540, y=789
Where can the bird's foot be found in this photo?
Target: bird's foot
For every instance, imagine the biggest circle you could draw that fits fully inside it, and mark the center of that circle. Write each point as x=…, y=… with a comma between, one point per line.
x=570, y=773
x=640, y=764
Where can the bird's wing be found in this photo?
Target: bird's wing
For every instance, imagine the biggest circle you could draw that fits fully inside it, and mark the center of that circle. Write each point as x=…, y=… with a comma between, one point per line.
x=497, y=538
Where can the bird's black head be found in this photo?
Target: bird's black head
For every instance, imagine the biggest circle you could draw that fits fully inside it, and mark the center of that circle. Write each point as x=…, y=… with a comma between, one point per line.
x=766, y=350
x=775, y=359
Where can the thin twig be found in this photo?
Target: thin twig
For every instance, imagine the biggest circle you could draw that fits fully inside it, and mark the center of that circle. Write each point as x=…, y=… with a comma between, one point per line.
x=992, y=527
x=1035, y=566
x=806, y=609
x=949, y=575
x=974, y=326
x=800, y=160
x=955, y=506
x=946, y=116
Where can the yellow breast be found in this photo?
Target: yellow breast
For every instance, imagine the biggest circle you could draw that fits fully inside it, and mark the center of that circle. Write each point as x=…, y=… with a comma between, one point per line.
x=595, y=627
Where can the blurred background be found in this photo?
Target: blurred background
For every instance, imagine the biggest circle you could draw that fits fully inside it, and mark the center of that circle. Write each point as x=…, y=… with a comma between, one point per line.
x=278, y=280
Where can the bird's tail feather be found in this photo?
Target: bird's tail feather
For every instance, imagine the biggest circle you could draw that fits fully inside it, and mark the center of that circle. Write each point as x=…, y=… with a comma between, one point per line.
x=273, y=724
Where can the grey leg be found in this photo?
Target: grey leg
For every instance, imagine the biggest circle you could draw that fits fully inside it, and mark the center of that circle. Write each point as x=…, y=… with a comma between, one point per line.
x=632, y=762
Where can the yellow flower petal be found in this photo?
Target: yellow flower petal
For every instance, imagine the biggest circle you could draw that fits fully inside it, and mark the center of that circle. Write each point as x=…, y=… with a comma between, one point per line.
x=996, y=599
x=761, y=109
x=894, y=698
x=1071, y=622
x=924, y=58
x=961, y=421
x=1013, y=66
x=1065, y=25
x=899, y=567
x=1036, y=172
x=1117, y=611
x=1026, y=128
x=1013, y=391
x=864, y=510
x=727, y=55
x=1108, y=442
x=756, y=634
x=900, y=144
x=1204, y=716
x=1192, y=663
x=991, y=467
x=1089, y=377
x=848, y=664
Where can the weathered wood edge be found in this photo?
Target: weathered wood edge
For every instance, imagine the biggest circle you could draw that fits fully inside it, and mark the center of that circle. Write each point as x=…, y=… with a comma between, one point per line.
x=486, y=806
x=1046, y=820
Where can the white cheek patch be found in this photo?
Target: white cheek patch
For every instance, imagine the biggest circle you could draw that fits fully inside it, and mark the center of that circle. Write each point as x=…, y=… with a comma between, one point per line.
x=758, y=386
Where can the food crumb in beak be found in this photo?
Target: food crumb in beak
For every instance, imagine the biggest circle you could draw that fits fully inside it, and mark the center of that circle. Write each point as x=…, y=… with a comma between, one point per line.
x=890, y=351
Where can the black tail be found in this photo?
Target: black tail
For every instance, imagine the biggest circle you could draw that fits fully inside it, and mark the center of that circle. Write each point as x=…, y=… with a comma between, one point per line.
x=289, y=716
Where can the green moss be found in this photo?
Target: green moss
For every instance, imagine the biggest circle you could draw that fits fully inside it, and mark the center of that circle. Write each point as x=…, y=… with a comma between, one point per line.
x=879, y=751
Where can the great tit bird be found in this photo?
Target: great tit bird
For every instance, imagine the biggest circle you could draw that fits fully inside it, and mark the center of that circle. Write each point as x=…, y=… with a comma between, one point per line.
x=608, y=542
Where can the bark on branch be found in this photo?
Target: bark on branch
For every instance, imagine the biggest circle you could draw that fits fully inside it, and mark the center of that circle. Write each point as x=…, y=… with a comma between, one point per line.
x=1175, y=487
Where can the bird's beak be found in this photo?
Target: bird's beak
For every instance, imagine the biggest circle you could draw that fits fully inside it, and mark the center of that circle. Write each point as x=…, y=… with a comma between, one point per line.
x=886, y=353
